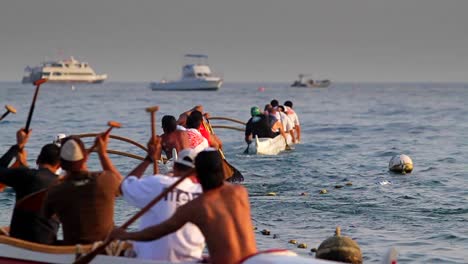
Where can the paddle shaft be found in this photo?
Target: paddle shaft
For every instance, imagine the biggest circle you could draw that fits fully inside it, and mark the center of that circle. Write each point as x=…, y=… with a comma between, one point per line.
x=95, y=144
x=90, y=256
x=5, y=114
x=153, y=134
x=31, y=109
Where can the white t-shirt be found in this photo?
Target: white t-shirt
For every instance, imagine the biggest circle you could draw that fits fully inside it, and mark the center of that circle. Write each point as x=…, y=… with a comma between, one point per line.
x=286, y=121
x=292, y=114
x=187, y=243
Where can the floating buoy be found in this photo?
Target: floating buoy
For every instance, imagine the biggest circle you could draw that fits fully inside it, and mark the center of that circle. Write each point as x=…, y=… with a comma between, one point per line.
x=349, y=184
x=341, y=249
x=304, y=194
x=338, y=186
x=271, y=194
x=324, y=191
x=261, y=89
x=292, y=241
x=401, y=164
x=265, y=232
x=302, y=245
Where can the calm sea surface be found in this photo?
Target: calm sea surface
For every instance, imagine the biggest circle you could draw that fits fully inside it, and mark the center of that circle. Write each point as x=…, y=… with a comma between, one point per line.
x=349, y=134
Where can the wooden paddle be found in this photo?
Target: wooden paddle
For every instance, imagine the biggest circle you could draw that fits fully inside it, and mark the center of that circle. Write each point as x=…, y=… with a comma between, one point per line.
x=152, y=110
x=90, y=256
x=9, y=109
x=33, y=104
x=111, y=124
x=231, y=174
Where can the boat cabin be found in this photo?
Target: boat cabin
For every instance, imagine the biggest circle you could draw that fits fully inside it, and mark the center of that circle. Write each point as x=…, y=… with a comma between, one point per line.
x=197, y=71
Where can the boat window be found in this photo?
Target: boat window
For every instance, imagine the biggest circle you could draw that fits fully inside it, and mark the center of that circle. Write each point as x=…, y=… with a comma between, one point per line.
x=45, y=73
x=199, y=74
x=57, y=74
x=67, y=65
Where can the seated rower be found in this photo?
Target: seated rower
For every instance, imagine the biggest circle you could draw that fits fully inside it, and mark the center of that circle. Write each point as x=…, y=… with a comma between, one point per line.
x=275, y=124
x=292, y=114
x=196, y=141
x=222, y=213
x=187, y=243
x=30, y=225
x=172, y=138
x=84, y=201
x=257, y=126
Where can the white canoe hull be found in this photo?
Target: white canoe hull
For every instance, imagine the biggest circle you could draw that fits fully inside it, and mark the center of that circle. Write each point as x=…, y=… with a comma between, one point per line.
x=17, y=251
x=187, y=85
x=269, y=146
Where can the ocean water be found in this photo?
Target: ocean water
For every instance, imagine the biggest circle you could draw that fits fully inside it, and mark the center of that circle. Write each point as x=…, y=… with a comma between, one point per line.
x=350, y=131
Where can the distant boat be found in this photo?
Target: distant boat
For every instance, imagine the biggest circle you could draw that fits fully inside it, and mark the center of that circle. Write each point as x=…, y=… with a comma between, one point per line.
x=302, y=82
x=63, y=71
x=195, y=77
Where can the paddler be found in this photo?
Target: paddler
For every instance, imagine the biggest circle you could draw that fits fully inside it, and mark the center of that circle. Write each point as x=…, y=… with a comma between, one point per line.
x=27, y=224
x=222, y=213
x=187, y=243
x=84, y=201
x=172, y=138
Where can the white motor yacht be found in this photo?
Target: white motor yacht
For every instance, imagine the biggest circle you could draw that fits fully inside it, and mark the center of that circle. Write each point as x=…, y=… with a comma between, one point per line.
x=195, y=77
x=67, y=70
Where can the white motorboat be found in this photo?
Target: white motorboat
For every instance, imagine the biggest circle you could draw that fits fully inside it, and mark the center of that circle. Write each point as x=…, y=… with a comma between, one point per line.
x=269, y=146
x=63, y=71
x=195, y=77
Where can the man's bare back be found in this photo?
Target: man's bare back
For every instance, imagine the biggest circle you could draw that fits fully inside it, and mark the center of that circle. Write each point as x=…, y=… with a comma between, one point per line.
x=223, y=216
x=177, y=139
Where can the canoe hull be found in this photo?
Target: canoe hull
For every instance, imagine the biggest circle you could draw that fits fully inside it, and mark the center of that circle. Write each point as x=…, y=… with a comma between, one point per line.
x=269, y=146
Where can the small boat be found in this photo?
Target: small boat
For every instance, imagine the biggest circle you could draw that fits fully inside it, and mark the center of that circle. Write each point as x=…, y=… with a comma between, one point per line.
x=63, y=71
x=269, y=146
x=16, y=251
x=195, y=77
x=302, y=82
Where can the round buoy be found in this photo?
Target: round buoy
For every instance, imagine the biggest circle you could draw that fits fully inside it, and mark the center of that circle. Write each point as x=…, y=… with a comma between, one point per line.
x=302, y=245
x=349, y=184
x=292, y=241
x=341, y=249
x=271, y=194
x=401, y=164
x=324, y=191
x=265, y=232
x=261, y=89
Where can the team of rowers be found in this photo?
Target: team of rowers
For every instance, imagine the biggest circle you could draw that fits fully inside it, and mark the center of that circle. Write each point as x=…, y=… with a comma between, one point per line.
x=202, y=209
x=275, y=120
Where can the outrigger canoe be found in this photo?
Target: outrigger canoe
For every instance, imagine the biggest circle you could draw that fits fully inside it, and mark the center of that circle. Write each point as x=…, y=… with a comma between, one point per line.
x=269, y=146
x=19, y=251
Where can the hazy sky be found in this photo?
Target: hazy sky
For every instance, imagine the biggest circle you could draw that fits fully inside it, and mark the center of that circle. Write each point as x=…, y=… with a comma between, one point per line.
x=246, y=40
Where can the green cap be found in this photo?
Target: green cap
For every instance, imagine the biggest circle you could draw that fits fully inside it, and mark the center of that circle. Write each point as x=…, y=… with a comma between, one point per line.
x=254, y=111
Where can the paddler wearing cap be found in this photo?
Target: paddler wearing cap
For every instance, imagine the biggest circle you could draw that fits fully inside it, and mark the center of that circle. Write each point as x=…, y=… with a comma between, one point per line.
x=187, y=243
x=84, y=201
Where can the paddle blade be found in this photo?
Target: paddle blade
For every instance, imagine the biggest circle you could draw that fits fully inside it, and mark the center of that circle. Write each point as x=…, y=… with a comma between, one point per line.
x=231, y=174
x=40, y=81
